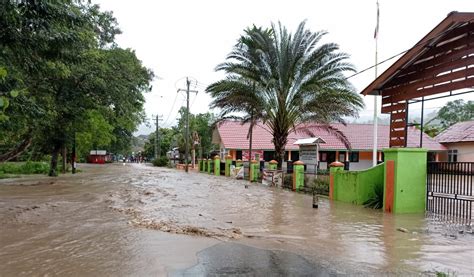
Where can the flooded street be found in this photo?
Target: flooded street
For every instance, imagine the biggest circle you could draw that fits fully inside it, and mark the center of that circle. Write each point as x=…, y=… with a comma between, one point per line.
x=135, y=219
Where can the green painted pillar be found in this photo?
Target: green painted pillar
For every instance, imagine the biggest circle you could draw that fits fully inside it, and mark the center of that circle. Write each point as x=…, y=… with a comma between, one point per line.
x=405, y=180
x=273, y=165
x=333, y=169
x=239, y=163
x=204, y=166
x=199, y=165
x=228, y=163
x=298, y=175
x=254, y=171
x=209, y=166
x=217, y=165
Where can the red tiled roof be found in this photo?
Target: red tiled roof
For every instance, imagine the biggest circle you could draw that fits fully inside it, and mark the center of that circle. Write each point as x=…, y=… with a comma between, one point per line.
x=234, y=136
x=459, y=132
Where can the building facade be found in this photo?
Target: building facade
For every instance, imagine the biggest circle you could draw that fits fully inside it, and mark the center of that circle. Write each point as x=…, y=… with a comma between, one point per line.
x=231, y=136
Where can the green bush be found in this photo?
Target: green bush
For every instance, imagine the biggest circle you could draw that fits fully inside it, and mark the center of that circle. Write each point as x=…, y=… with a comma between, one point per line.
x=24, y=168
x=376, y=201
x=162, y=161
x=321, y=186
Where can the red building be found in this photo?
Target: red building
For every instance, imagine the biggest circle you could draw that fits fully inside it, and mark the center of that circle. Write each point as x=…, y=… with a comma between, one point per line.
x=98, y=157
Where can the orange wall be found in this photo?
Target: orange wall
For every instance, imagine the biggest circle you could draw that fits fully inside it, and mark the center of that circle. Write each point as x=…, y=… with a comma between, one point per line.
x=365, y=155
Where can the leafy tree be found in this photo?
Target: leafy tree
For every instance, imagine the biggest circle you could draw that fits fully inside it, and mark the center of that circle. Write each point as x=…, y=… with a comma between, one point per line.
x=62, y=57
x=166, y=142
x=454, y=112
x=297, y=80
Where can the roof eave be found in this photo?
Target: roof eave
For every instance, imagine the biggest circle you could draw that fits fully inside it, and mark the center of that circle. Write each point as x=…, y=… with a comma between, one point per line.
x=419, y=48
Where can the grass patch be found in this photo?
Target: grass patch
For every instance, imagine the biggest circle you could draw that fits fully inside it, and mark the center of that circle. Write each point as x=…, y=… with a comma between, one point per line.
x=320, y=186
x=29, y=167
x=162, y=161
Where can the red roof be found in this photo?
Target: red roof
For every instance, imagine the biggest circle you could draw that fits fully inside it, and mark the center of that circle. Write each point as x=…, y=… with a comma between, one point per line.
x=233, y=135
x=459, y=132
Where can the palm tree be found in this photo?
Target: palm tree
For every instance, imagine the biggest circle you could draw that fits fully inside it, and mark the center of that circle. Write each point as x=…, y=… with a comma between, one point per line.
x=237, y=93
x=298, y=82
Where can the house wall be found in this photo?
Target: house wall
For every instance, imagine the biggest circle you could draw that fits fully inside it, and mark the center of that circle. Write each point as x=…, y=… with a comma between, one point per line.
x=465, y=151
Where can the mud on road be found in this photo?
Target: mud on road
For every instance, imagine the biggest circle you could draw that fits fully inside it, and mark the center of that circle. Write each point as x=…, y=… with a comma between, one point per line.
x=139, y=220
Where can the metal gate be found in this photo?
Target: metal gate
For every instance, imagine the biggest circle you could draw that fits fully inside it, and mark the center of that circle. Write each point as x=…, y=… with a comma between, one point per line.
x=450, y=190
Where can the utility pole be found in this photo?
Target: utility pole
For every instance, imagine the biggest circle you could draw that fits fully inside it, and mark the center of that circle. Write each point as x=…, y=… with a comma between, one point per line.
x=188, y=83
x=157, y=137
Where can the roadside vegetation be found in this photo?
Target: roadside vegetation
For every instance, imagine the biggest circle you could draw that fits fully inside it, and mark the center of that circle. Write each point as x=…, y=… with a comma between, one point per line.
x=12, y=169
x=64, y=80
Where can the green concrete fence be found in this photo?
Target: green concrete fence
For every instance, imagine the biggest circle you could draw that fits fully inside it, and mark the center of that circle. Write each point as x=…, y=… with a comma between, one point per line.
x=228, y=163
x=298, y=175
x=354, y=186
x=402, y=175
x=254, y=171
x=217, y=165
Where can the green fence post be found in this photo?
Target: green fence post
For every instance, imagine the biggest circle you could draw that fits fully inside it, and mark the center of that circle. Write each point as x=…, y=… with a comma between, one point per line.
x=333, y=169
x=209, y=166
x=254, y=170
x=228, y=163
x=239, y=163
x=272, y=165
x=217, y=165
x=298, y=175
x=405, y=180
x=199, y=165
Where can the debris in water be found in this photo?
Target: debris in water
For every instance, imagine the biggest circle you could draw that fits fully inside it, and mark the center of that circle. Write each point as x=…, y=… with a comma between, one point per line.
x=200, y=214
x=246, y=186
x=230, y=222
x=401, y=229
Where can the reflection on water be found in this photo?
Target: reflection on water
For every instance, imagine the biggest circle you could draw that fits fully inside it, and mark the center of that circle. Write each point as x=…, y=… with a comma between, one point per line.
x=83, y=216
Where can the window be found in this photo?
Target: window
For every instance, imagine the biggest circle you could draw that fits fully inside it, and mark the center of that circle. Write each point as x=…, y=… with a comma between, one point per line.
x=323, y=156
x=342, y=157
x=354, y=157
x=453, y=155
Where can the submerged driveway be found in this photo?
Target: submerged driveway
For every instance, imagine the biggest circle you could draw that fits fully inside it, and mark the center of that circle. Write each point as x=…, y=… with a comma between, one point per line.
x=139, y=220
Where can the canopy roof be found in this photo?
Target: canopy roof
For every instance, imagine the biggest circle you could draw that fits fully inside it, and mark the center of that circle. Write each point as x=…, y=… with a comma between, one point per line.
x=441, y=62
x=309, y=141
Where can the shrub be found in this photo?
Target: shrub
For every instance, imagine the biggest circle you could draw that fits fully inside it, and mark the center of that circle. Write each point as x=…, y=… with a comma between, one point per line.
x=24, y=168
x=376, y=201
x=321, y=186
x=162, y=161
x=288, y=181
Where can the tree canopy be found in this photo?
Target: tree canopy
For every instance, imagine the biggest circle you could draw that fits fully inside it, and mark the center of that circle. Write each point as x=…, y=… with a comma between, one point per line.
x=290, y=79
x=62, y=74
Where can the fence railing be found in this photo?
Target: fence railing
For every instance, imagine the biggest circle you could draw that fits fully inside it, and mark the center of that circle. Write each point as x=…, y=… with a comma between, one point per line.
x=450, y=189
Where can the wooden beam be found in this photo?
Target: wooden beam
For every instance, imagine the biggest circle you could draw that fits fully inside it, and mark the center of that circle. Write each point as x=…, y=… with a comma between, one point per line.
x=438, y=65
x=466, y=83
x=394, y=107
x=431, y=82
x=397, y=142
x=397, y=116
x=397, y=134
x=463, y=41
x=398, y=124
x=449, y=22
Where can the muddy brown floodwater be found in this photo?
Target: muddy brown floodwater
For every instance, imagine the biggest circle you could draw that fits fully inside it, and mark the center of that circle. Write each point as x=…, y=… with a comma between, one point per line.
x=135, y=219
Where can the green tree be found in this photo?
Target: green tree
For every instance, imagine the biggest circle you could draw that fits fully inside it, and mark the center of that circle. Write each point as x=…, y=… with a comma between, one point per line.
x=63, y=55
x=454, y=112
x=298, y=81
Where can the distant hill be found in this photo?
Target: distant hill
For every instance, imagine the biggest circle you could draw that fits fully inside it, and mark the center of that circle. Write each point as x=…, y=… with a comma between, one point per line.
x=138, y=143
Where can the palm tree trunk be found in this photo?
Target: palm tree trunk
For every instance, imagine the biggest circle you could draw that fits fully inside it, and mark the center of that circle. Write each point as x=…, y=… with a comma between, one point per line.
x=250, y=148
x=280, y=140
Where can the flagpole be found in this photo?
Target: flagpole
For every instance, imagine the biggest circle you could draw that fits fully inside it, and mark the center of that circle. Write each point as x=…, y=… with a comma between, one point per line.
x=376, y=35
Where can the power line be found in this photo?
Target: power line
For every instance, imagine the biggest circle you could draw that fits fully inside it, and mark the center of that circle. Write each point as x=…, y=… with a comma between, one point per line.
x=172, y=107
x=188, y=83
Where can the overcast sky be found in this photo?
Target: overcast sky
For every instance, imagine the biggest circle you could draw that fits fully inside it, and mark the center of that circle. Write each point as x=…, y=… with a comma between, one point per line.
x=189, y=38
